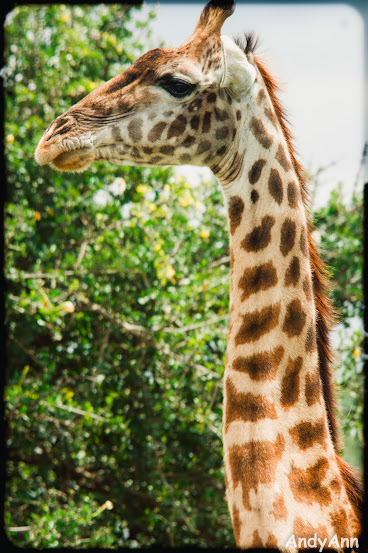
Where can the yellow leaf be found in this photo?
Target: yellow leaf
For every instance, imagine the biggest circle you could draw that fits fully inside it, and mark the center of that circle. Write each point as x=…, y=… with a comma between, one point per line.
x=142, y=188
x=204, y=233
x=357, y=352
x=37, y=215
x=50, y=211
x=186, y=199
x=169, y=272
x=68, y=394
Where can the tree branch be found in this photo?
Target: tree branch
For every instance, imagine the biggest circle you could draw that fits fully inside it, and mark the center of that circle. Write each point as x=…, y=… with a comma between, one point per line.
x=146, y=336
x=222, y=261
x=183, y=329
x=76, y=411
x=66, y=273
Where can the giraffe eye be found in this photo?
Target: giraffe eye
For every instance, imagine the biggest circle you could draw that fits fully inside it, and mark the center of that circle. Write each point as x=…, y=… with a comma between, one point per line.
x=177, y=87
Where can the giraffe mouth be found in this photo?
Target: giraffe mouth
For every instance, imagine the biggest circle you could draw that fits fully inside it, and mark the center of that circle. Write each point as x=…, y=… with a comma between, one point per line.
x=75, y=160
x=80, y=159
x=75, y=153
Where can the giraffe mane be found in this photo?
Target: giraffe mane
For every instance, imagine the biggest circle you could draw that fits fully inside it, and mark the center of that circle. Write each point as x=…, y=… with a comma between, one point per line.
x=326, y=314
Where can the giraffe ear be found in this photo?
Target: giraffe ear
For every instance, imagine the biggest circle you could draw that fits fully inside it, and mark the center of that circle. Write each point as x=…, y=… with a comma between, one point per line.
x=238, y=73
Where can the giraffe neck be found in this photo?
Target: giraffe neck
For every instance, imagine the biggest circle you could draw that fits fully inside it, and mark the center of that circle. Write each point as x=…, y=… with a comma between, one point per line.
x=281, y=468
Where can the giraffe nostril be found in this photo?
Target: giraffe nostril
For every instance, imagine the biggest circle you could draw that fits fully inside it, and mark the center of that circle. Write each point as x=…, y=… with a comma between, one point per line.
x=59, y=127
x=49, y=132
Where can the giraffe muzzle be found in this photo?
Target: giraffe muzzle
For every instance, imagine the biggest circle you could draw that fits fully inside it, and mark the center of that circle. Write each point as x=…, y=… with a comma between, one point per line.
x=65, y=154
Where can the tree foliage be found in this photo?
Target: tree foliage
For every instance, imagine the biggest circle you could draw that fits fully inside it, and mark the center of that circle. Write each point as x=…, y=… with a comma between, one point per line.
x=117, y=303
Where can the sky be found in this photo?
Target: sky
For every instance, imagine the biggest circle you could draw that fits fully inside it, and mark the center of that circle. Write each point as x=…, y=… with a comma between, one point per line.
x=317, y=54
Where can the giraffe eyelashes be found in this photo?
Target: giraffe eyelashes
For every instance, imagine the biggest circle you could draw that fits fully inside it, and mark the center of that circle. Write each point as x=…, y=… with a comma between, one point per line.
x=177, y=87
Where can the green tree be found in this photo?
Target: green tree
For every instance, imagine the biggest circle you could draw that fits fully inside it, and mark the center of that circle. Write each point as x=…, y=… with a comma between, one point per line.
x=114, y=372
x=117, y=312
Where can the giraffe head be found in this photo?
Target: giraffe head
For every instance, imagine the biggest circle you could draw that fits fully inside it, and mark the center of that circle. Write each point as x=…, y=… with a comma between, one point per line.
x=172, y=106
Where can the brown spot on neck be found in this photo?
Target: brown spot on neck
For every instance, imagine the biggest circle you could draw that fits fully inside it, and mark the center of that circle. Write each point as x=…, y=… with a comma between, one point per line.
x=307, y=434
x=235, y=210
x=293, y=194
x=258, y=323
x=260, y=236
x=260, y=366
x=270, y=114
x=261, y=96
x=254, y=196
x=292, y=274
x=275, y=186
x=313, y=388
x=256, y=170
x=256, y=540
x=310, y=339
x=306, y=485
x=271, y=542
x=246, y=406
x=340, y=523
x=258, y=278
x=255, y=463
x=290, y=384
x=282, y=158
x=260, y=133
x=287, y=239
x=295, y=319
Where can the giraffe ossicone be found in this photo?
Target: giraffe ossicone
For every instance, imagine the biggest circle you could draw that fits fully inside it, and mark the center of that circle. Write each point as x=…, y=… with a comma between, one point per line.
x=211, y=102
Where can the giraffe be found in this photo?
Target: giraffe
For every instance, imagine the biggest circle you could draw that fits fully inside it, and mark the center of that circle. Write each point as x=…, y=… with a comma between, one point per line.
x=211, y=102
